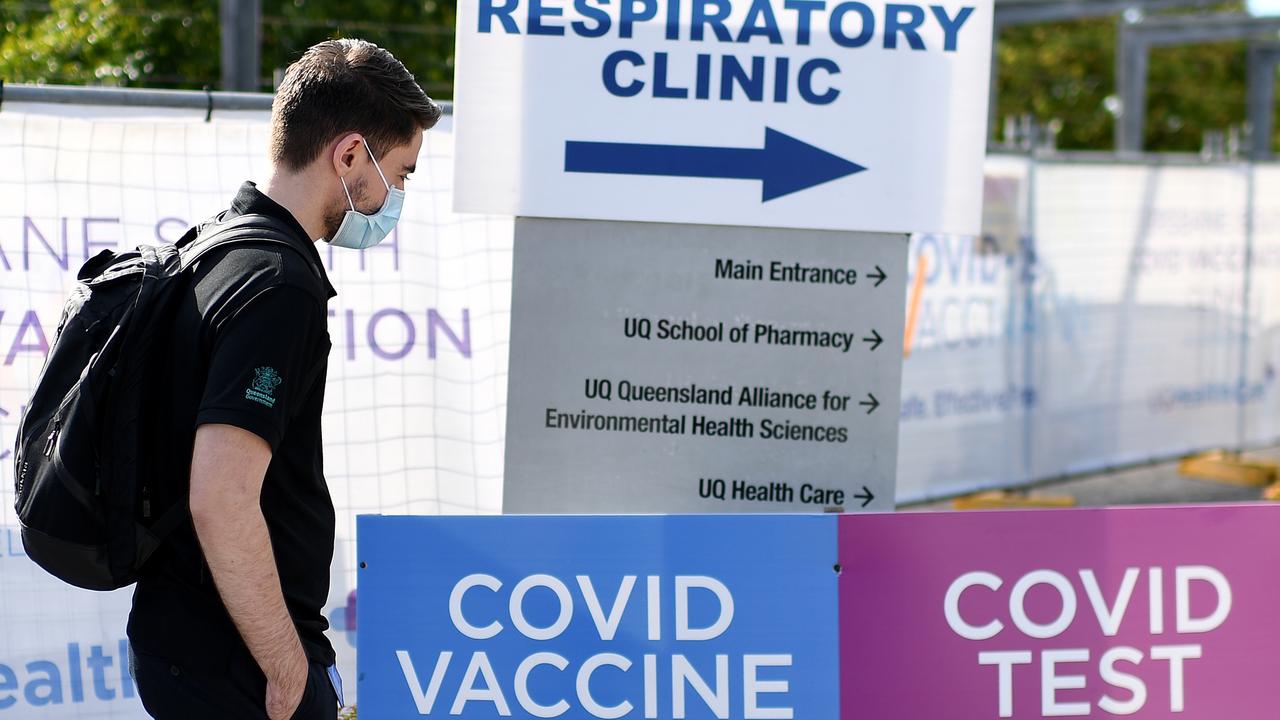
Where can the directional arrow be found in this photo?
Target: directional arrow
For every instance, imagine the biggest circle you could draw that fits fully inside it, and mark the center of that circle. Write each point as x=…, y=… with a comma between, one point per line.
x=865, y=496
x=871, y=404
x=878, y=274
x=786, y=165
x=875, y=340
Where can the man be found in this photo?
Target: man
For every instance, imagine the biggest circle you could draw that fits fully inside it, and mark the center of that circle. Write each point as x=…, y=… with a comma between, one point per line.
x=227, y=620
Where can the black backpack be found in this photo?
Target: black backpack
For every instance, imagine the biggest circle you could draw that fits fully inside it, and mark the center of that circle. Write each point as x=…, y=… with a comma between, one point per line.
x=83, y=477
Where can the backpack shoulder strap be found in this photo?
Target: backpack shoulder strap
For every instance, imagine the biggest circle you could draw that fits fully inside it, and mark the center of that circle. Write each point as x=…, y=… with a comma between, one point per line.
x=246, y=229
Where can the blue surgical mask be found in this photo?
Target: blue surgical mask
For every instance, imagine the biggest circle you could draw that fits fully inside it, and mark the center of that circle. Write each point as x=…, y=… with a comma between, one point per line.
x=359, y=231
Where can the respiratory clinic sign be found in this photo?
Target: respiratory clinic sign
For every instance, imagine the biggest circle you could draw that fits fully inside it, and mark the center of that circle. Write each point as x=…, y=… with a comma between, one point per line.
x=821, y=114
x=1145, y=613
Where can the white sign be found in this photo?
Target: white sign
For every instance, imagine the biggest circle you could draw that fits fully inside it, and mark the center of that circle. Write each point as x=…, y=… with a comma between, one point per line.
x=664, y=368
x=818, y=114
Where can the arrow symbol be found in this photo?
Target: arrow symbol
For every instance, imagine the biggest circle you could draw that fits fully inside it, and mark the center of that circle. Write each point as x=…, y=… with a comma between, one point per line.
x=878, y=274
x=875, y=340
x=866, y=493
x=871, y=404
x=785, y=164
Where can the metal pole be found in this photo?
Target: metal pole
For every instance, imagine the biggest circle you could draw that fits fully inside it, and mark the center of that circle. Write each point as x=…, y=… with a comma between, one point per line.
x=1245, y=315
x=1131, y=81
x=136, y=97
x=1261, y=101
x=993, y=93
x=241, y=43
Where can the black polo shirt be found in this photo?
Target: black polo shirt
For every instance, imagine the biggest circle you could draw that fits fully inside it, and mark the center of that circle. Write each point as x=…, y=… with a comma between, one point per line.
x=249, y=347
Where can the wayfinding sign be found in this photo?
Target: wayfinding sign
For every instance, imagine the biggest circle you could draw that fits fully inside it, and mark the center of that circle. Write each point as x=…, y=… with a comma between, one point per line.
x=826, y=114
x=668, y=368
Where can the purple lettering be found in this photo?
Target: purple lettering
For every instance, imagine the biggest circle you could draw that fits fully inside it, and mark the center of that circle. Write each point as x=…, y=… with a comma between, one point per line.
x=30, y=321
x=89, y=243
x=29, y=228
x=411, y=334
x=163, y=223
x=435, y=322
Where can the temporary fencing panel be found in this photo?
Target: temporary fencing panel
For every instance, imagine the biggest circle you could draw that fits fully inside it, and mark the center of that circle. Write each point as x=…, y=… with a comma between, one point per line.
x=1103, y=326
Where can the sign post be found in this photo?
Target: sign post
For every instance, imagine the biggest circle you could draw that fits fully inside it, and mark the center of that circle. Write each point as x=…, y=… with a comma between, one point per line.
x=713, y=199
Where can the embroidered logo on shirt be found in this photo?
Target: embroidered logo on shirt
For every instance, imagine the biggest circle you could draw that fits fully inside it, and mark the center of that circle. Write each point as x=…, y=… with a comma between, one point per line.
x=263, y=389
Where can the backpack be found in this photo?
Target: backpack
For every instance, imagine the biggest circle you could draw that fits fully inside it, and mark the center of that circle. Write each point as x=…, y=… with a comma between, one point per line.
x=83, y=478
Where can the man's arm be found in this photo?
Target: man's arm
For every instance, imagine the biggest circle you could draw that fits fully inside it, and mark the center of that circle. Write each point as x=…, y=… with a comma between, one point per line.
x=227, y=470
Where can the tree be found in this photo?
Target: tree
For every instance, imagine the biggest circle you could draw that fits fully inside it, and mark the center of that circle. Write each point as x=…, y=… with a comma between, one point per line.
x=155, y=43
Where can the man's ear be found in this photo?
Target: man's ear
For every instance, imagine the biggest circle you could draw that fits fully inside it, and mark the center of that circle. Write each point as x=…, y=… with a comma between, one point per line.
x=346, y=152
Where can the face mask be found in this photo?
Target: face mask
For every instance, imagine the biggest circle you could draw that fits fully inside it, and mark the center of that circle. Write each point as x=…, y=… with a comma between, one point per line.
x=359, y=231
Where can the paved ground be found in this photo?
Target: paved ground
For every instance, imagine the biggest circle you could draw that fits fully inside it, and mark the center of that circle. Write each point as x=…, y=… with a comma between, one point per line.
x=1146, y=485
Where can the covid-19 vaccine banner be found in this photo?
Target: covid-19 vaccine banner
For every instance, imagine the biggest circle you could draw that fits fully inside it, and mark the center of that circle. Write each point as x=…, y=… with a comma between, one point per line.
x=1145, y=613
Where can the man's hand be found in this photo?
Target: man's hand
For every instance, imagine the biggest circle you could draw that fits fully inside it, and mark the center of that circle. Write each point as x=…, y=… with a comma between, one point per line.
x=228, y=466
x=284, y=697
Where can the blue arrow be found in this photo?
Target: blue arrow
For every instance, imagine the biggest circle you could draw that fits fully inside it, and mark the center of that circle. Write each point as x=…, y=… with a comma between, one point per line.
x=786, y=165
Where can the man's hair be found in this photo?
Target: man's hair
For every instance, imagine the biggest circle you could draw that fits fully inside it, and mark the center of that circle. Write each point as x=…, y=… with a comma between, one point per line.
x=342, y=86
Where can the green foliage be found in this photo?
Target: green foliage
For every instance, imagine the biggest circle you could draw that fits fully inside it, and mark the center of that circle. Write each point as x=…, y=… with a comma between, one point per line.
x=1066, y=71
x=109, y=42
x=164, y=43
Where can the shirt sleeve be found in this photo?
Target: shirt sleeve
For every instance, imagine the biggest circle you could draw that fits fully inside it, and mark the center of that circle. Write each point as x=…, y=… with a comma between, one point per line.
x=265, y=358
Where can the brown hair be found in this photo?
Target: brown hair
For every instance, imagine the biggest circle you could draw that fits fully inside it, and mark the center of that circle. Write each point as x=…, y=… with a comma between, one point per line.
x=342, y=86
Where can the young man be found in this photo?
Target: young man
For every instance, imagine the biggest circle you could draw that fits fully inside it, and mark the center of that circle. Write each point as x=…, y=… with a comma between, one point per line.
x=227, y=620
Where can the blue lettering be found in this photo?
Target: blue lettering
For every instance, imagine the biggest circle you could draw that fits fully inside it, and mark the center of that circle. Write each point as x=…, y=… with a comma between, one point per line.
x=52, y=680
x=537, y=11
x=660, y=87
x=600, y=16
x=489, y=11
x=731, y=72
x=950, y=27
x=610, y=73
x=909, y=29
x=760, y=21
x=98, y=665
x=631, y=16
x=782, y=67
x=837, y=25
x=804, y=10
x=703, y=89
x=126, y=678
x=715, y=19
x=804, y=82
x=673, y=19
x=8, y=682
x=77, y=673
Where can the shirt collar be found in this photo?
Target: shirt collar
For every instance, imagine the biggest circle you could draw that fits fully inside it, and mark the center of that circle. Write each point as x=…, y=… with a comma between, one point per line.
x=252, y=201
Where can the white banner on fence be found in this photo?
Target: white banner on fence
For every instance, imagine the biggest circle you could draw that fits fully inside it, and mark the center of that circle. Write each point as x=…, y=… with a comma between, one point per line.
x=414, y=418
x=1113, y=337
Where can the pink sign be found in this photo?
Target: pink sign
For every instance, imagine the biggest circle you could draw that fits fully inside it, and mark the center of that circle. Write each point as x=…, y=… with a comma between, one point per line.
x=1141, y=613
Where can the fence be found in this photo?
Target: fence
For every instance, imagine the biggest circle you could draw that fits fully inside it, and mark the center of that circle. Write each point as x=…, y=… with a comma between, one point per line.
x=1119, y=313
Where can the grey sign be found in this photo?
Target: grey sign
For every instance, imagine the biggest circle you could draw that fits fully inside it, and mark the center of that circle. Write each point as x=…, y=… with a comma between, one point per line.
x=682, y=368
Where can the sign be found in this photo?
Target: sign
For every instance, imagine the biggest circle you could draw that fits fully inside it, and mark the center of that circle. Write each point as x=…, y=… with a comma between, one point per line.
x=834, y=115
x=597, y=617
x=664, y=368
x=1147, y=613
x=1142, y=613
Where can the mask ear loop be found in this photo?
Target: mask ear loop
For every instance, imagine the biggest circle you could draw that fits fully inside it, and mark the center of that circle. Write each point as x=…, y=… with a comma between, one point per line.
x=348, y=192
x=375, y=163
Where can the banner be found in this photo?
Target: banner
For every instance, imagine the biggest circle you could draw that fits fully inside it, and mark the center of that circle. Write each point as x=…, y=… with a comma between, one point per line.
x=598, y=617
x=415, y=405
x=1149, y=613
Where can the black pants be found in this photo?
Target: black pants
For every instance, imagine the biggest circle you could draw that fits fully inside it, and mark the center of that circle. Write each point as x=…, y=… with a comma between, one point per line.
x=173, y=690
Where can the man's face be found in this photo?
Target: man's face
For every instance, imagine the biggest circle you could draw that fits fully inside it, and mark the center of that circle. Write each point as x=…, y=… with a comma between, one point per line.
x=365, y=185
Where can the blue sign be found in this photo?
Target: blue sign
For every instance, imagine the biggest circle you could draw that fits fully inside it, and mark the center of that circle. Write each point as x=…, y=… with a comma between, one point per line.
x=685, y=616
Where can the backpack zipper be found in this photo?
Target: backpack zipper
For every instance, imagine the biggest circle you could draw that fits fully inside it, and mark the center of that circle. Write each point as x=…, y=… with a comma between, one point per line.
x=53, y=436
x=146, y=501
